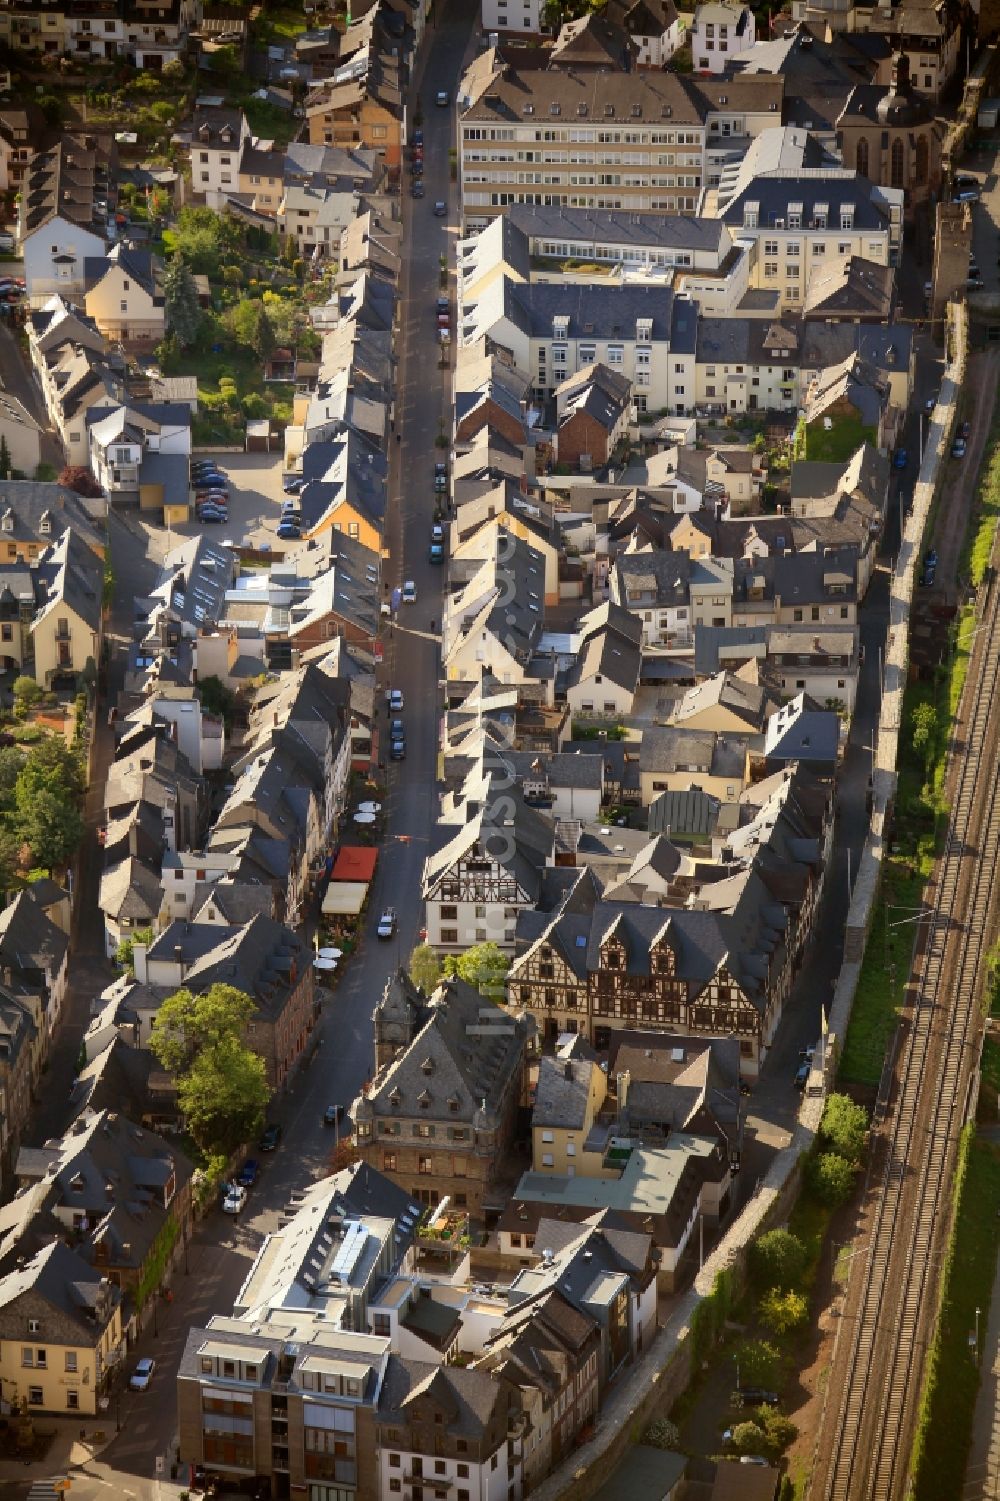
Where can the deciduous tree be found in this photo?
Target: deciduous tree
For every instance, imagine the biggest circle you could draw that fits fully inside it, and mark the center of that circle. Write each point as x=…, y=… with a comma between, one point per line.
x=777, y=1259
x=844, y=1127
x=425, y=968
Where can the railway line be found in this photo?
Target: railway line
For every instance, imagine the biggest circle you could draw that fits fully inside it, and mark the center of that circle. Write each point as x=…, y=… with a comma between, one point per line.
x=865, y=1438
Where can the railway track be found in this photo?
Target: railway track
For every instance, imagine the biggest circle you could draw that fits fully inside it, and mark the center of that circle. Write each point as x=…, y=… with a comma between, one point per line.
x=865, y=1439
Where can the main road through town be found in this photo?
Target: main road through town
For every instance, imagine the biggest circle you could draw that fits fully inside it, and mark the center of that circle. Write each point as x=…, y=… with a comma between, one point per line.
x=220, y=1254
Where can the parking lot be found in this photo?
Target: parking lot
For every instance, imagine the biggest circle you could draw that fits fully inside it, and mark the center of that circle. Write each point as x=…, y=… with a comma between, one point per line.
x=254, y=500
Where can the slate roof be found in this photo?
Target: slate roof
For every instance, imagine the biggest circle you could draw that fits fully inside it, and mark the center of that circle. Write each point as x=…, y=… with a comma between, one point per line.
x=465, y=1053
x=71, y=1289
x=775, y=192
x=597, y=391
x=28, y=939
x=798, y=733
x=587, y=229
x=747, y=701
x=469, y=1399
x=562, y=1093
x=73, y=576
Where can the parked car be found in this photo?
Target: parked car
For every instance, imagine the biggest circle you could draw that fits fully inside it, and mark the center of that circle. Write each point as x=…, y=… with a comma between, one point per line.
x=212, y=516
x=444, y=335
x=444, y=320
x=291, y=518
x=441, y=468
x=418, y=137
x=754, y=1459
x=440, y=483
x=293, y=486
x=6, y=240
x=435, y=553
x=900, y=459
x=409, y=592
x=442, y=99
x=802, y=1075
x=289, y=531
x=271, y=1137
x=395, y=700
x=397, y=750
x=930, y=558
x=333, y=1115
x=143, y=1374
x=248, y=1173
x=958, y=449
x=754, y=1396
x=965, y=429
x=440, y=209
x=235, y=1200
x=417, y=166
x=417, y=188
x=437, y=532
x=386, y=923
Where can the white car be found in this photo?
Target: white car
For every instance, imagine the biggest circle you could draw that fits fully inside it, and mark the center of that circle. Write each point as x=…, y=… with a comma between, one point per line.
x=235, y=1199
x=142, y=1375
x=387, y=923
x=409, y=592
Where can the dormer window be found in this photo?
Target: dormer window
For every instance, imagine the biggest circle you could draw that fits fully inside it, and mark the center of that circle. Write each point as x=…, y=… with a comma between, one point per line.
x=45, y=524
x=7, y=520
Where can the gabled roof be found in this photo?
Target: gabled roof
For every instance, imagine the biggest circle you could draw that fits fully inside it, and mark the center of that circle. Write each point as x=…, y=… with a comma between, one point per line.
x=463, y=1056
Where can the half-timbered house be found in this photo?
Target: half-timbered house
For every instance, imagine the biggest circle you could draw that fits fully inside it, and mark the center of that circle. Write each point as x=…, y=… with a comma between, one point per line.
x=721, y=964
x=489, y=869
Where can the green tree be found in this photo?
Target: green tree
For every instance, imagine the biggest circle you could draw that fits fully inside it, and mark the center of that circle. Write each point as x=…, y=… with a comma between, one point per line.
x=12, y=760
x=485, y=966
x=748, y=1438
x=783, y=1311
x=187, y=1024
x=778, y=1431
x=831, y=1178
x=844, y=1127
x=425, y=968
x=777, y=1259
x=224, y=62
x=759, y=1362
x=251, y=326
x=216, y=698
x=4, y=457
x=198, y=239
x=180, y=298
x=50, y=766
x=53, y=827
x=223, y=1095
x=124, y=954
x=27, y=693
x=45, y=473
x=924, y=728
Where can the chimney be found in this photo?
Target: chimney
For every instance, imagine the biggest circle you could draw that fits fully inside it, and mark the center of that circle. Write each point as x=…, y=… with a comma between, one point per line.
x=139, y=952
x=622, y=1080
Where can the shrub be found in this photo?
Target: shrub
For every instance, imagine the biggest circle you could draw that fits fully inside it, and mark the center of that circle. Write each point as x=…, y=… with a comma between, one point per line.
x=831, y=1178
x=777, y=1259
x=662, y=1434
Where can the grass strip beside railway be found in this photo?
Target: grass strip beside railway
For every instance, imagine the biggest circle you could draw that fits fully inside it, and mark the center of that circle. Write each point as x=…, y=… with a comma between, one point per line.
x=948, y=1401
x=929, y=710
